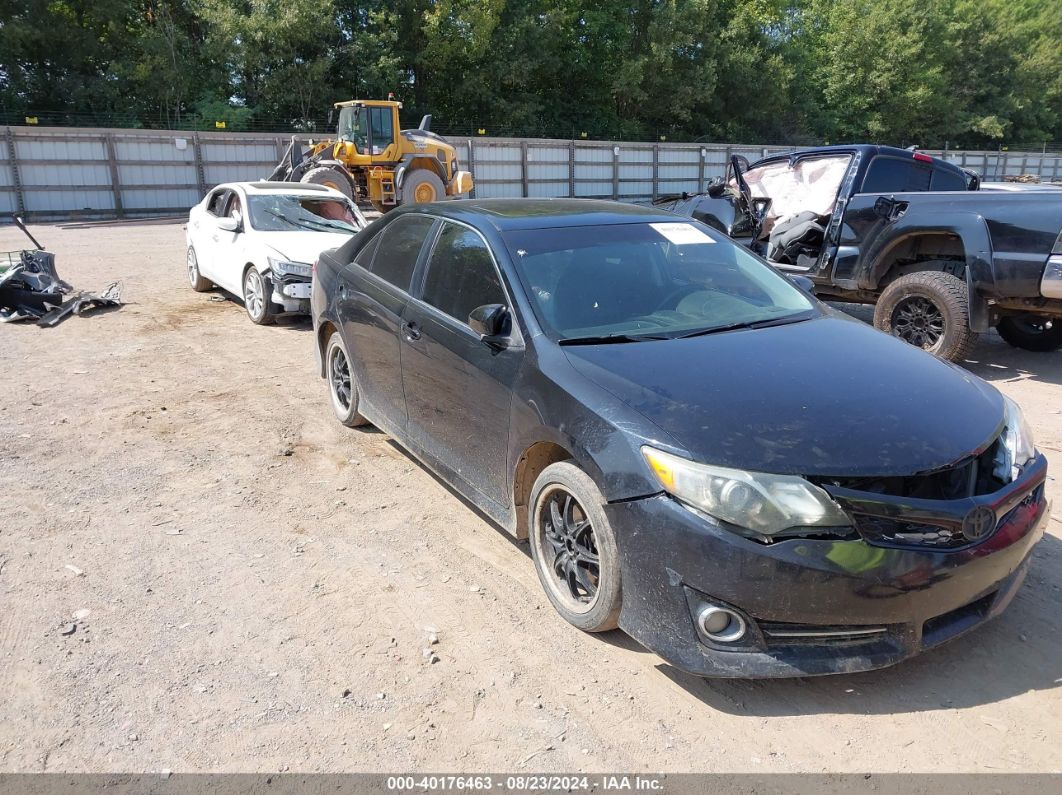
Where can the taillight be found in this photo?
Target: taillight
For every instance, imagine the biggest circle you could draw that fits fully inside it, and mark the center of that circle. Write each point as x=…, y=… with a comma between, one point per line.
x=923, y=157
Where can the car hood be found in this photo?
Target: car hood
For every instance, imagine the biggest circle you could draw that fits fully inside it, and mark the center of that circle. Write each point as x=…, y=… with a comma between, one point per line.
x=829, y=396
x=302, y=246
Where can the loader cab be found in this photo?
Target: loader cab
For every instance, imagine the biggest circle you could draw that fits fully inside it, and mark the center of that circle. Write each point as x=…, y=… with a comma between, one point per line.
x=370, y=127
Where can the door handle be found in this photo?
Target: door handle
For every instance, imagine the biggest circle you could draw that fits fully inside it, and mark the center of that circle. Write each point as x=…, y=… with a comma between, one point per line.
x=412, y=331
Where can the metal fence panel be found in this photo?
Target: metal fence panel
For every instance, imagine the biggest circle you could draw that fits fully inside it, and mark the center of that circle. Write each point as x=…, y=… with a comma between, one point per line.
x=62, y=172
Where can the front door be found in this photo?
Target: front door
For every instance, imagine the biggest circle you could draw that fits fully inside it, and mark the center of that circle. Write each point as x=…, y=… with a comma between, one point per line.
x=458, y=388
x=228, y=260
x=371, y=305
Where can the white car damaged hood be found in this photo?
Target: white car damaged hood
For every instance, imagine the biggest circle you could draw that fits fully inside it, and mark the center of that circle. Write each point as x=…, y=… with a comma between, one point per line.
x=302, y=246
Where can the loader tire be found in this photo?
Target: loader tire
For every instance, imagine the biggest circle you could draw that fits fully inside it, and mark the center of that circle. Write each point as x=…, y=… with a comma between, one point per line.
x=930, y=310
x=331, y=177
x=421, y=186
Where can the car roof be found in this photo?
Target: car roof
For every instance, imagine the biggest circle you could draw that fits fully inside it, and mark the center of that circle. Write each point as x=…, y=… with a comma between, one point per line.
x=863, y=149
x=511, y=214
x=291, y=188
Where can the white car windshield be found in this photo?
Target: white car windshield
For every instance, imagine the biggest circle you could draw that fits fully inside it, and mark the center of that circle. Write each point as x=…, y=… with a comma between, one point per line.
x=286, y=212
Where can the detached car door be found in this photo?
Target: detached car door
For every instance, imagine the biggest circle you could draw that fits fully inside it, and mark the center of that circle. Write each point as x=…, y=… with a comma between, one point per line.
x=458, y=387
x=373, y=291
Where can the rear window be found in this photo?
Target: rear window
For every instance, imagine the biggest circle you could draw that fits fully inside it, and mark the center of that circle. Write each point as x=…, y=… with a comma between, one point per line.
x=945, y=180
x=897, y=175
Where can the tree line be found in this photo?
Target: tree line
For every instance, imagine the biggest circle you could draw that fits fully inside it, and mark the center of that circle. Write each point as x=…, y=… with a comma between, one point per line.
x=974, y=73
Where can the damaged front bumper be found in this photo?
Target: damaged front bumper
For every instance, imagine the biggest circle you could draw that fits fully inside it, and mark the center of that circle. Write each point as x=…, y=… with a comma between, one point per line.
x=813, y=606
x=291, y=291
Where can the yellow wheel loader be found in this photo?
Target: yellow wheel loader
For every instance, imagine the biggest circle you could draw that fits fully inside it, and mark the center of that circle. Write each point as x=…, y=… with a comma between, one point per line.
x=370, y=158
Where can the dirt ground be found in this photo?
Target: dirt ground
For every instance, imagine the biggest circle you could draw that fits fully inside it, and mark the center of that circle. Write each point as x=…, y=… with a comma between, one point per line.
x=252, y=586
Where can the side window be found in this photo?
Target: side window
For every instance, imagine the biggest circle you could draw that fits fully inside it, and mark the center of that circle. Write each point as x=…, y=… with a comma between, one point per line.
x=217, y=203
x=895, y=175
x=461, y=274
x=235, y=205
x=945, y=180
x=398, y=249
x=366, y=252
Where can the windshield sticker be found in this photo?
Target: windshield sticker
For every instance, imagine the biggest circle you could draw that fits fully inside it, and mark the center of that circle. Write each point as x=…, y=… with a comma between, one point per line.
x=682, y=234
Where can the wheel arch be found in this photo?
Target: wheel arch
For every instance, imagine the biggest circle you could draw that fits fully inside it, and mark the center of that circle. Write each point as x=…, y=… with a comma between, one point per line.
x=956, y=237
x=324, y=333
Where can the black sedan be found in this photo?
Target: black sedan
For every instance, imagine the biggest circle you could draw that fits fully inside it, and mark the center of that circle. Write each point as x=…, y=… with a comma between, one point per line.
x=698, y=451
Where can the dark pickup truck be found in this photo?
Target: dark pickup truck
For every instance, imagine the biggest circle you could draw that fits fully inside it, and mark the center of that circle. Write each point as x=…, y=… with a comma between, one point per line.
x=941, y=260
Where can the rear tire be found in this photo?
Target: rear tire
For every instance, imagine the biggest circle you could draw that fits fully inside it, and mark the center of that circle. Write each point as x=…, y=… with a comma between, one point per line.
x=930, y=310
x=341, y=387
x=1032, y=332
x=195, y=278
x=421, y=186
x=331, y=177
x=574, y=548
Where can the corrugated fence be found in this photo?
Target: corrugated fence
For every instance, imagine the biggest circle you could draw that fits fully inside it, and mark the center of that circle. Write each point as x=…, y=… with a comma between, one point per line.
x=62, y=173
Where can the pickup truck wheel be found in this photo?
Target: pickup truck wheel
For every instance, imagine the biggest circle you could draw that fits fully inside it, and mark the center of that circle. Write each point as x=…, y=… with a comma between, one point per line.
x=341, y=386
x=574, y=548
x=1032, y=332
x=930, y=310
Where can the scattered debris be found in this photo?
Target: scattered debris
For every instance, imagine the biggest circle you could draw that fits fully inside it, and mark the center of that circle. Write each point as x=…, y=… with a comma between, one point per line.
x=31, y=289
x=430, y=656
x=76, y=571
x=82, y=614
x=68, y=629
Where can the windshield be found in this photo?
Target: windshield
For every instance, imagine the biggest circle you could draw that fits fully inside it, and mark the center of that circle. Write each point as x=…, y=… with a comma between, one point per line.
x=647, y=280
x=353, y=127
x=285, y=213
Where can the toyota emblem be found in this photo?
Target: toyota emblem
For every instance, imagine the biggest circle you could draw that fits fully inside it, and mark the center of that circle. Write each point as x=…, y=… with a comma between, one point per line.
x=978, y=523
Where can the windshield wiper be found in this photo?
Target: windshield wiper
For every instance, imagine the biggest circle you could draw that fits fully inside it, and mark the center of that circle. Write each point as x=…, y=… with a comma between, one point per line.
x=312, y=224
x=775, y=321
x=607, y=339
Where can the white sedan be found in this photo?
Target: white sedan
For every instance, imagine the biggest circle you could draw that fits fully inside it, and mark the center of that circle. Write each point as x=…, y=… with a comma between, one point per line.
x=259, y=240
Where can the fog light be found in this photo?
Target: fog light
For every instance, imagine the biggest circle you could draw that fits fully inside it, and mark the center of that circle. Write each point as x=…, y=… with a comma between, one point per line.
x=720, y=624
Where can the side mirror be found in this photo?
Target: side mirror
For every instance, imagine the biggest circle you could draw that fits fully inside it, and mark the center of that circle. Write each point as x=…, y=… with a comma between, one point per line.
x=229, y=223
x=491, y=322
x=804, y=283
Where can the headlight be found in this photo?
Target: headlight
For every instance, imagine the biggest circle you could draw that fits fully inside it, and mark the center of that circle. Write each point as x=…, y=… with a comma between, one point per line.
x=764, y=504
x=1016, y=447
x=293, y=268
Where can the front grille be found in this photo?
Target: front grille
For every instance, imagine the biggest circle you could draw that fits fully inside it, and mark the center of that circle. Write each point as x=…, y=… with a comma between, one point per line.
x=896, y=532
x=779, y=634
x=971, y=477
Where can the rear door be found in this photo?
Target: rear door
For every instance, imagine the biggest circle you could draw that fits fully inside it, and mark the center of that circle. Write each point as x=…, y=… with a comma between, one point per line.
x=373, y=291
x=204, y=231
x=458, y=388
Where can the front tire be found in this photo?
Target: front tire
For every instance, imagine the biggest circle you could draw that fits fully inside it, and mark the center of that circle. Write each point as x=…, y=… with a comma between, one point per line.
x=421, y=186
x=1031, y=332
x=341, y=387
x=195, y=278
x=931, y=310
x=574, y=548
x=257, y=290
